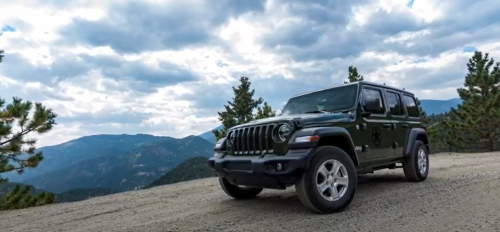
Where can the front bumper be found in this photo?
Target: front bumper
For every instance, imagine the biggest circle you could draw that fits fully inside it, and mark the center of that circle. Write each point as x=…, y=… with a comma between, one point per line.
x=262, y=171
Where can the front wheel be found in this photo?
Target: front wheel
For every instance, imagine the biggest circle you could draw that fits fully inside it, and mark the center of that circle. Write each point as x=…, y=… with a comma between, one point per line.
x=237, y=192
x=330, y=184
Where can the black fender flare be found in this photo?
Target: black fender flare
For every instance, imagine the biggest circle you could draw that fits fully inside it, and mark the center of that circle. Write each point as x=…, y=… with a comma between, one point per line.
x=322, y=132
x=411, y=138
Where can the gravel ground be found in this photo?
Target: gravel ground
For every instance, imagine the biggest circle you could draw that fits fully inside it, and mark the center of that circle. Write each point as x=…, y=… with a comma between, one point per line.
x=462, y=193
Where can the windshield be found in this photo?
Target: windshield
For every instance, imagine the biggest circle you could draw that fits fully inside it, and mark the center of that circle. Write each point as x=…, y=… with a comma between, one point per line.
x=334, y=99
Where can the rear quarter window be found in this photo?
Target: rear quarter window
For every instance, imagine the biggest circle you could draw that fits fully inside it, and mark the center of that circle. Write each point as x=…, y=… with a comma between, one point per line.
x=411, y=106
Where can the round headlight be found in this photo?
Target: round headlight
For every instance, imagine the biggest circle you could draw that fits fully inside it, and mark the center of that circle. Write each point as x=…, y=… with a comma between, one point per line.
x=284, y=132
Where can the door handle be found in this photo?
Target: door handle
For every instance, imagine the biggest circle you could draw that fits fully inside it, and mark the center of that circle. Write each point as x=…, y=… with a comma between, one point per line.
x=404, y=125
x=387, y=125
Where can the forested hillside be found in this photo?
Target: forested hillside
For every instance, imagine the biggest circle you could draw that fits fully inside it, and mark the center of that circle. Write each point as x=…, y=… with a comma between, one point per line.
x=191, y=169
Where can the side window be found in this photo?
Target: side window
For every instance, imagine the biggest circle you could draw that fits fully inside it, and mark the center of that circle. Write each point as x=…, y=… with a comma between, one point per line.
x=394, y=104
x=369, y=97
x=411, y=106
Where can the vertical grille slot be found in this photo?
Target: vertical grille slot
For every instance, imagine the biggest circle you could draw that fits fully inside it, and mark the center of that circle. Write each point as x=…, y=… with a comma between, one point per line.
x=247, y=140
x=269, y=136
x=256, y=140
x=237, y=141
x=244, y=140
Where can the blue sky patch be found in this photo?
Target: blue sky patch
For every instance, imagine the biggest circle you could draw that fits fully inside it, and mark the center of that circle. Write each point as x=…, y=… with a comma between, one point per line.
x=6, y=28
x=469, y=49
x=410, y=3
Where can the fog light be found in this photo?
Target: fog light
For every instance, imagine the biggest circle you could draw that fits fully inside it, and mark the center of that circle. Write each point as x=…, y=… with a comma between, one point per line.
x=279, y=167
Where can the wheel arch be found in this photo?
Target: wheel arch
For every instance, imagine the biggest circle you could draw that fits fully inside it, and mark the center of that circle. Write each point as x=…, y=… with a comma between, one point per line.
x=414, y=135
x=328, y=136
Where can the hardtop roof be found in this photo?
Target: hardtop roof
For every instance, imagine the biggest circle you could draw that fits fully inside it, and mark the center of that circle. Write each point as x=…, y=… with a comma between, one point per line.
x=360, y=83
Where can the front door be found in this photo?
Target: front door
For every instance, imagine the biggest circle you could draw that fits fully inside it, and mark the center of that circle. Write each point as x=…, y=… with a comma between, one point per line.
x=378, y=131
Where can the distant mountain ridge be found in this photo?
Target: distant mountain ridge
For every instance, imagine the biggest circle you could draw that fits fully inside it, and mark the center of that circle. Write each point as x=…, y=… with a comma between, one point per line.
x=124, y=171
x=209, y=136
x=439, y=106
x=84, y=148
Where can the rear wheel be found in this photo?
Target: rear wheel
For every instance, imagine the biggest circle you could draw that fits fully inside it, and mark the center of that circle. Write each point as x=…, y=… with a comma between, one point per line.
x=330, y=184
x=416, y=165
x=237, y=192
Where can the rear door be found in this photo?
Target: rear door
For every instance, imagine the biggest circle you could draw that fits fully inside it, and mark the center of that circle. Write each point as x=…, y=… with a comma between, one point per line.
x=399, y=120
x=412, y=111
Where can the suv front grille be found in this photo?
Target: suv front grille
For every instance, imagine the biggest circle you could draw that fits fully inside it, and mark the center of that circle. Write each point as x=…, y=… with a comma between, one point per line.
x=256, y=140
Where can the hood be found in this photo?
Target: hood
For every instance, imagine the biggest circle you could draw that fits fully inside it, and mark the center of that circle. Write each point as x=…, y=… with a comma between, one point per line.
x=304, y=118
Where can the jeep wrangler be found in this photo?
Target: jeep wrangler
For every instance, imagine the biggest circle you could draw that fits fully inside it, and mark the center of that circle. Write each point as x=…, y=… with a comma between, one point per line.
x=321, y=142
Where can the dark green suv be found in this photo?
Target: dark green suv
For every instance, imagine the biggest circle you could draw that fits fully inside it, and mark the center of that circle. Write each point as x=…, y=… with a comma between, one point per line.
x=321, y=142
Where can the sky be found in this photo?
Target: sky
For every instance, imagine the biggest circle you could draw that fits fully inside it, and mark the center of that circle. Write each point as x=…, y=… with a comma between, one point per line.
x=167, y=67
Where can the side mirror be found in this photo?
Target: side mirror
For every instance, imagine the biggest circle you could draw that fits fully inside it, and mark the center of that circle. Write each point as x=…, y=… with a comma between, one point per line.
x=363, y=113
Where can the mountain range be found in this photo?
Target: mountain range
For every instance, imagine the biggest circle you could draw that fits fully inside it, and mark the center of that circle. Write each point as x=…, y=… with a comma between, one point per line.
x=439, y=106
x=81, y=149
x=118, y=162
x=104, y=164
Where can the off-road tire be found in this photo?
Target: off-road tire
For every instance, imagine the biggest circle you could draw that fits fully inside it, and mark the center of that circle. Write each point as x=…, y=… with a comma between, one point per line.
x=306, y=186
x=410, y=165
x=237, y=192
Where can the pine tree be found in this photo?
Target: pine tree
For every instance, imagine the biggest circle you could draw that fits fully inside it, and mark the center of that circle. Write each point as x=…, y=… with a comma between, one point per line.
x=240, y=109
x=265, y=112
x=13, y=144
x=423, y=115
x=20, y=197
x=353, y=75
x=478, y=117
x=16, y=151
x=426, y=122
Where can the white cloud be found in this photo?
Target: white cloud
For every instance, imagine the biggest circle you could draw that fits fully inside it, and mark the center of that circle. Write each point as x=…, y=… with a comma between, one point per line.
x=158, y=72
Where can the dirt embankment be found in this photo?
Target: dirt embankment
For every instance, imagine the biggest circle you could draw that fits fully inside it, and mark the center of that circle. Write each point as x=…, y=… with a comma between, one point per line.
x=462, y=193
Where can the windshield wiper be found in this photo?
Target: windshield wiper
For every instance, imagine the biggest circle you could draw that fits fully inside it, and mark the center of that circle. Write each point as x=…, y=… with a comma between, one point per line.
x=317, y=112
x=327, y=111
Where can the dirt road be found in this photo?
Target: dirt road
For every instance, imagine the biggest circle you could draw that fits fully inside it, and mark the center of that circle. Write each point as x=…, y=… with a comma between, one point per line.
x=462, y=193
